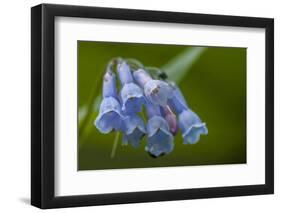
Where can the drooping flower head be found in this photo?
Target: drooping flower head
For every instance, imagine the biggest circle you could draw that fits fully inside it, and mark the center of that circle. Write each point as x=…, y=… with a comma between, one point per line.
x=158, y=92
x=110, y=117
x=131, y=94
x=134, y=130
x=160, y=140
x=166, y=108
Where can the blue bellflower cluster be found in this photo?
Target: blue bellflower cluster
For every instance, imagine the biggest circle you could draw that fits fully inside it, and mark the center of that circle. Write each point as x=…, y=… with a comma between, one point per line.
x=165, y=106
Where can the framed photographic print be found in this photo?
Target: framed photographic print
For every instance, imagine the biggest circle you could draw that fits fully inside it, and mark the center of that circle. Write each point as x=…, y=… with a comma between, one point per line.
x=139, y=106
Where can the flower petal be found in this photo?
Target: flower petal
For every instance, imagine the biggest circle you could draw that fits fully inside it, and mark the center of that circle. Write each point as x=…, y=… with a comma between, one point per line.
x=109, y=121
x=109, y=117
x=124, y=73
x=151, y=109
x=160, y=143
x=134, y=130
x=158, y=92
x=109, y=85
x=160, y=140
x=192, y=135
x=132, y=98
x=132, y=122
x=171, y=119
x=191, y=126
x=177, y=92
x=134, y=138
x=155, y=123
x=141, y=77
x=177, y=101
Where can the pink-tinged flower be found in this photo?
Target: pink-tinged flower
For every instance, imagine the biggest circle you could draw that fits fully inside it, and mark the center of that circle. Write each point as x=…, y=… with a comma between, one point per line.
x=171, y=119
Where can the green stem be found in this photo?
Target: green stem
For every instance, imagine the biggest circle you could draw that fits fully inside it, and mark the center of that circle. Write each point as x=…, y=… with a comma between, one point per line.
x=115, y=143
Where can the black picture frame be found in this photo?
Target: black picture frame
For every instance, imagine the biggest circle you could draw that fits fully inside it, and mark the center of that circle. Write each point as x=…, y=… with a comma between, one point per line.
x=43, y=102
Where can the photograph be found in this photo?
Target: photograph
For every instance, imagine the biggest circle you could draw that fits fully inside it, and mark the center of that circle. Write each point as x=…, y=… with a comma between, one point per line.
x=139, y=105
x=143, y=105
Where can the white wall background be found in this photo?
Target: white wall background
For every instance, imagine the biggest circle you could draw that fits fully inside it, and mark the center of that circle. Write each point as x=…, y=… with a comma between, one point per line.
x=15, y=105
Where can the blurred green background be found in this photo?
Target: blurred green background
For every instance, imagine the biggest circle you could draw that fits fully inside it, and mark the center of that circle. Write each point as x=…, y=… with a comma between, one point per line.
x=212, y=79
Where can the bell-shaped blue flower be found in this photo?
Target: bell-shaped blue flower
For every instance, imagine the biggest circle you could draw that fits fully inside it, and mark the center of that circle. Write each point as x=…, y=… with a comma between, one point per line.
x=157, y=91
x=189, y=122
x=160, y=140
x=191, y=126
x=134, y=130
x=110, y=117
x=131, y=94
